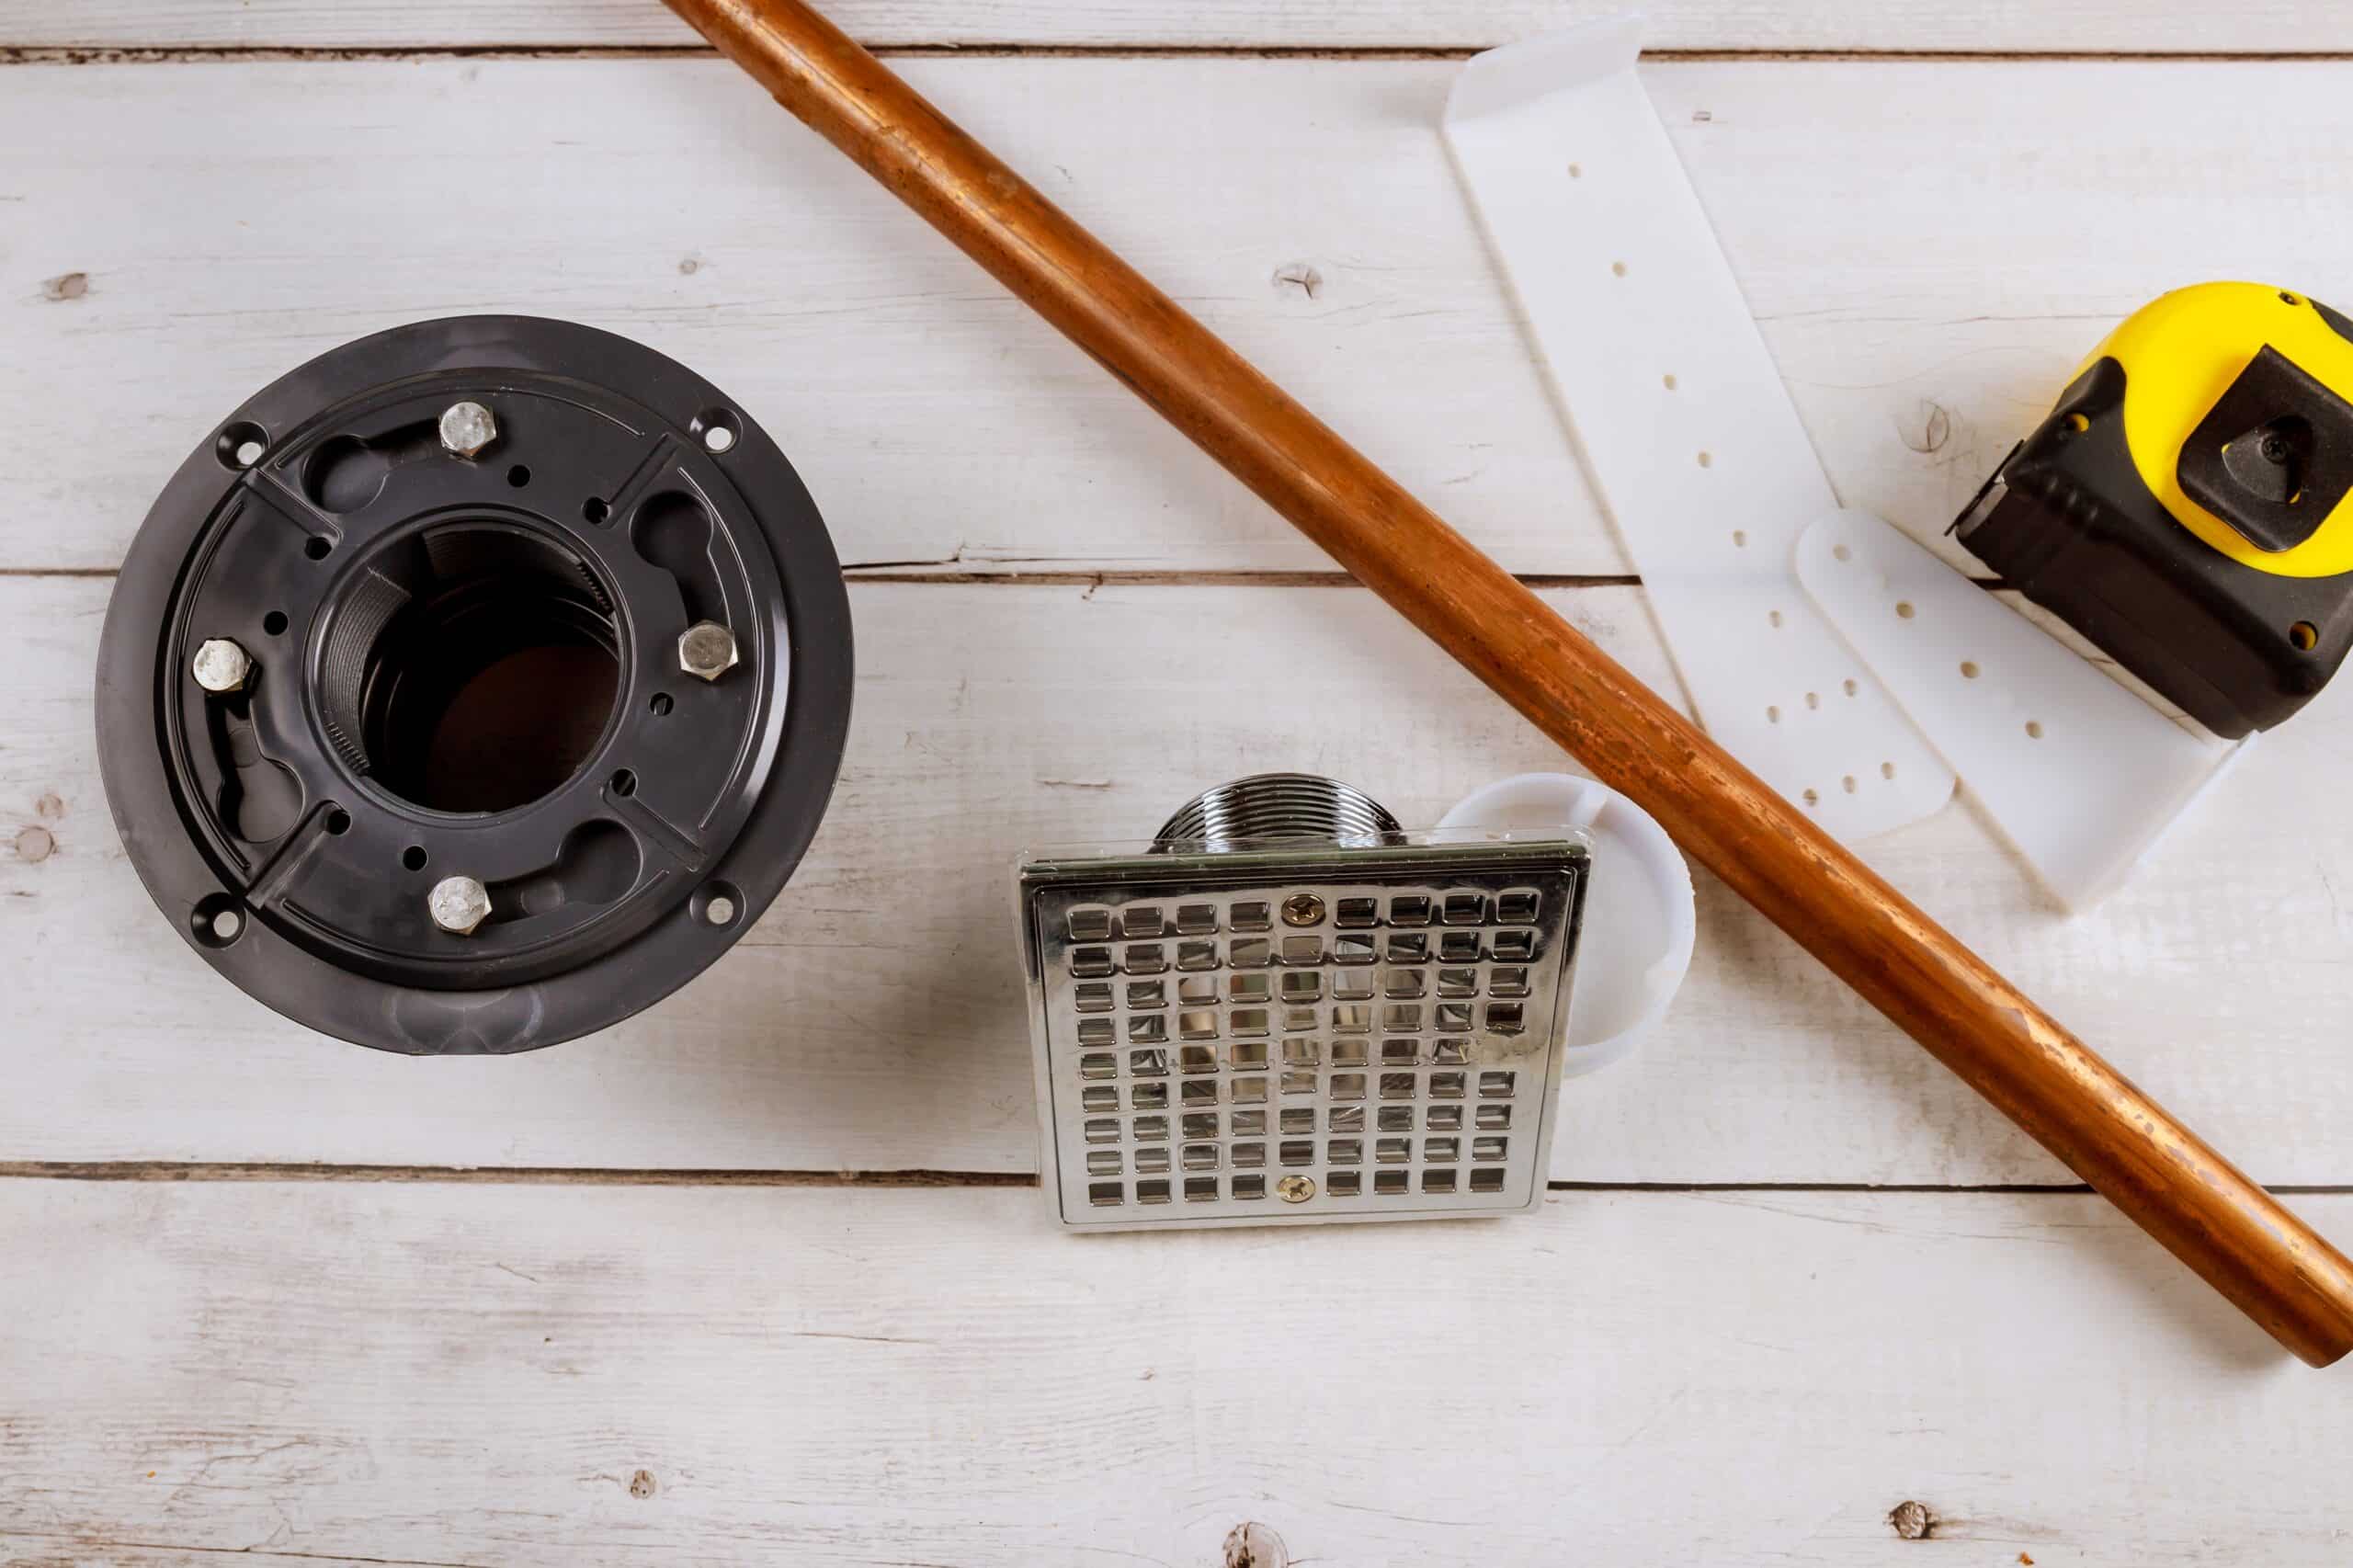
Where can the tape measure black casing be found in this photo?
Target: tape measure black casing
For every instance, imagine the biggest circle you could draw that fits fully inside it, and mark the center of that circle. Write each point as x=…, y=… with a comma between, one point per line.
x=2185, y=504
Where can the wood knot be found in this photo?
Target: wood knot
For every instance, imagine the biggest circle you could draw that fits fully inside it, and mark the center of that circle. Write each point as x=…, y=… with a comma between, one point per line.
x=1252, y=1545
x=1911, y=1520
x=1935, y=428
x=66, y=286
x=35, y=843
x=1300, y=275
x=642, y=1484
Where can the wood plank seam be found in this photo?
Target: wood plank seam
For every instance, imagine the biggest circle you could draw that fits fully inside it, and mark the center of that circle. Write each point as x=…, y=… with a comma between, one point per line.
x=914, y=571
x=108, y=1543
x=119, y=54
x=493, y=1176
x=593, y=1175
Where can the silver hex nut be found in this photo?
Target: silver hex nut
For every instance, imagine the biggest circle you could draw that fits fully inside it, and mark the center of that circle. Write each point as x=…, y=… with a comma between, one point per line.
x=466, y=428
x=706, y=650
x=220, y=665
x=458, y=904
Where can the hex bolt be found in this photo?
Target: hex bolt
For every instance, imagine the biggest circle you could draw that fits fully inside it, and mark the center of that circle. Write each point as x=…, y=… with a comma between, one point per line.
x=466, y=429
x=220, y=665
x=706, y=650
x=458, y=904
x=1295, y=1188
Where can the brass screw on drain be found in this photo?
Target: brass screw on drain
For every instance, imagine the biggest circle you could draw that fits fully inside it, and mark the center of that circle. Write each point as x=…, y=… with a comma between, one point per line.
x=1295, y=1188
x=1302, y=909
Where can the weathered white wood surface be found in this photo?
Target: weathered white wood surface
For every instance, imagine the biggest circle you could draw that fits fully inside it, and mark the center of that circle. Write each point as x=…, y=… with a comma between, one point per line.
x=1932, y=247
x=538, y=1377
x=938, y=422
x=2245, y=27
x=522, y=1369
x=874, y=1019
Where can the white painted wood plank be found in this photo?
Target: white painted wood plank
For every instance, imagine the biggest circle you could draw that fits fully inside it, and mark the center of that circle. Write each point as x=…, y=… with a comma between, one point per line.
x=2257, y=27
x=569, y=1376
x=874, y=1019
x=1931, y=247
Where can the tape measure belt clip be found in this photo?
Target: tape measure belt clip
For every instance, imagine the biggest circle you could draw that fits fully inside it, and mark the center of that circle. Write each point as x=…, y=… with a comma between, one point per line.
x=2274, y=456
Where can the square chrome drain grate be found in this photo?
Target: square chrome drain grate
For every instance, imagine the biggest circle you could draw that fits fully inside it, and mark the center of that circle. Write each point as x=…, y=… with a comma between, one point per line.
x=1341, y=1021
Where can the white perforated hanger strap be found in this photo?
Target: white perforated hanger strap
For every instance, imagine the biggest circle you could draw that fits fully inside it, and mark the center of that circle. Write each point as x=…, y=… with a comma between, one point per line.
x=1681, y=416
x=2081, y=774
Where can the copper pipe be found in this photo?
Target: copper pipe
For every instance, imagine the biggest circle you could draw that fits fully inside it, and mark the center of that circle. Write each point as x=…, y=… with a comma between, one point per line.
x=2201, y=1208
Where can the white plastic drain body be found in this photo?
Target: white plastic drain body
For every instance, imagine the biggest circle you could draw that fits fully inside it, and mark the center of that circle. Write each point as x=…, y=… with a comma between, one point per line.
x=2081, y=774
x=1640, y=915
x=1682, y=418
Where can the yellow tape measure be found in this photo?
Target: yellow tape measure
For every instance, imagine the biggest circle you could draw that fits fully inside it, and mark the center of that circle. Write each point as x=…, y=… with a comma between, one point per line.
x=2188, y=506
